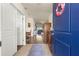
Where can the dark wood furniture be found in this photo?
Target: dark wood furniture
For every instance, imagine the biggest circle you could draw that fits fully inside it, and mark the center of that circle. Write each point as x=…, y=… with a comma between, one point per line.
x=28, y=37
x=47, y=34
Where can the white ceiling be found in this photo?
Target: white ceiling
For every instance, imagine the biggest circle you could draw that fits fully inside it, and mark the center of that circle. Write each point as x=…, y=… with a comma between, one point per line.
x=39, y=11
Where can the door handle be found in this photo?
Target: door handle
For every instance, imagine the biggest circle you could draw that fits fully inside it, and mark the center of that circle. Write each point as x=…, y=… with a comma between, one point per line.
x=0, y=43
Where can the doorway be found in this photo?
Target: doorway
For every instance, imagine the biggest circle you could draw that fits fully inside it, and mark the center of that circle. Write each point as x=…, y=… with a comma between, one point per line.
x=20, y=30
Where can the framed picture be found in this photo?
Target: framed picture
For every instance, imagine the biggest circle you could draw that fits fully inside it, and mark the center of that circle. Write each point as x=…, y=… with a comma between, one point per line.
x=29, y=25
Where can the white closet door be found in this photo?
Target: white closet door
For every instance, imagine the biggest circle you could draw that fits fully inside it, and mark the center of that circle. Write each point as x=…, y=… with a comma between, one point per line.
x=19, y=29
x=8, y=23
x=20, y=23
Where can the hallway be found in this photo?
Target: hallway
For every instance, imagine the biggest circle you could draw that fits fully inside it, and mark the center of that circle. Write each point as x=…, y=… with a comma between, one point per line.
x=38, y=39
x=34, y=50
x=38, y=48
x=25, y=29
x=39, y=29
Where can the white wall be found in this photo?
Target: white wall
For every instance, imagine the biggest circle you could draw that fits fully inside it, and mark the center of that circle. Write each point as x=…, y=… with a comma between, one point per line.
x=0, y=27
x=0, y=21
x=19, y=7
x=8, y=29
x=51, y=20
x=31, y=21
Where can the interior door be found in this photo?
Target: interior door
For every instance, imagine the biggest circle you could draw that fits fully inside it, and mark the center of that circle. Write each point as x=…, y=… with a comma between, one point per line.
x=19, y=29
x=62, y=22
x=62, y=35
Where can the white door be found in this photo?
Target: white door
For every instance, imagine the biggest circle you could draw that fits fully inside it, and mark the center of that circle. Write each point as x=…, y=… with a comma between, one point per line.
x=19, y=25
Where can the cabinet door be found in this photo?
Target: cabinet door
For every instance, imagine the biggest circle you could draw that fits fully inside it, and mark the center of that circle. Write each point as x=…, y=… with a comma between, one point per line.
x=62, y=22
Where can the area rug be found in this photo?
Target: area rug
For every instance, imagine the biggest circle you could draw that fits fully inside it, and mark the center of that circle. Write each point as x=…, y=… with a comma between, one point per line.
x=36, y=50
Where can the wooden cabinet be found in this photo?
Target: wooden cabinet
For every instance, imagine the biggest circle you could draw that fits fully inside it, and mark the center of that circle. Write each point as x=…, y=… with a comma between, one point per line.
x=47, y=33
x=28, y=37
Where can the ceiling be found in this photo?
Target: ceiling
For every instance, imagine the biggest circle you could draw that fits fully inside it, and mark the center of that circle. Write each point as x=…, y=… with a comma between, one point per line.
x=39, y=11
